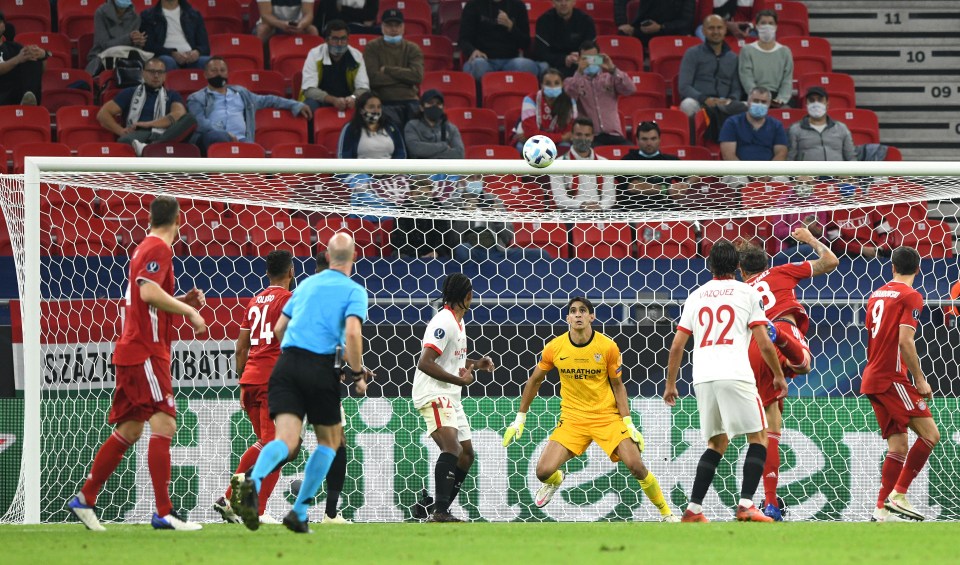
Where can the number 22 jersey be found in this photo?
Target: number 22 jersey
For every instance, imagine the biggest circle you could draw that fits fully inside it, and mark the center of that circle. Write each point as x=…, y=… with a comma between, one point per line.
x=259, y=319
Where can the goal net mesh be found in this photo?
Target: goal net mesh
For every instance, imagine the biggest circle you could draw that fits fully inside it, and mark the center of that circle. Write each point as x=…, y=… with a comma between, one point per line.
x=528, y=244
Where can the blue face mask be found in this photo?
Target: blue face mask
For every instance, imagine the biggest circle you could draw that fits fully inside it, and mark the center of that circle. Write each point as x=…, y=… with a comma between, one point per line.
x=474, y=186
x=758, y=110
x=552, y=91
x=592, y=70
x=392, y=39
x=123, y=3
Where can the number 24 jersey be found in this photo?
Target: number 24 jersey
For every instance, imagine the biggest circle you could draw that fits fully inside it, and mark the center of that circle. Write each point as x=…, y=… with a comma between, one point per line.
x=259, y=319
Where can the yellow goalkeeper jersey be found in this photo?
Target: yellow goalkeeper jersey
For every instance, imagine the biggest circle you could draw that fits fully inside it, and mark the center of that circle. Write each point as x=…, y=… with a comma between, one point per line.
x=585, y=373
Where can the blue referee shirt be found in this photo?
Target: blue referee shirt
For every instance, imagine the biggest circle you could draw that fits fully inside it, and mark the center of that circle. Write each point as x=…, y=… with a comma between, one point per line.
x=318, y=312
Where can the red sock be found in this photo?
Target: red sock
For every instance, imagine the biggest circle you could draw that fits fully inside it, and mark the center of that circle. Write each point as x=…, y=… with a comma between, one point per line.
x=892, y=465
x=916, y=459
x=771, y=469
x=104, y=464
x=247, y=460
x=266, y=488
x=790, y=346
x=158, y=460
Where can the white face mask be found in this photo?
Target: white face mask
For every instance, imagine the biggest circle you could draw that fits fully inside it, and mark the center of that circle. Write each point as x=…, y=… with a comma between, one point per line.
x=817, y=109
x=767, y=33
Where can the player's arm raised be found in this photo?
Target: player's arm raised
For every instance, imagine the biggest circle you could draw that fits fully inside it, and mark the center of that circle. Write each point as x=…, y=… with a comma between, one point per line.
x=908, y=352
x=670, y=393
x=530, y=390
x=769, y=353
x=154, y=295
x=826, y=261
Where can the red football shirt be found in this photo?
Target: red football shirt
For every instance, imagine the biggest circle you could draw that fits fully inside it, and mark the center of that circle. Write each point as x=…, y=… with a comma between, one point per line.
x=776, y=286
x=892, y=305
x=146, y=330
x=259, y=319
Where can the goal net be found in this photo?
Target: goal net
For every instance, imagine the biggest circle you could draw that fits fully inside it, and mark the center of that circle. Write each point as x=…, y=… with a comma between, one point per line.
x=528, y=245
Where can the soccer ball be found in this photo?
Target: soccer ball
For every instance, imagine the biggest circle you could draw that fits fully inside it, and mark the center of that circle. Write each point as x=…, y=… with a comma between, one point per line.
x=539, y=151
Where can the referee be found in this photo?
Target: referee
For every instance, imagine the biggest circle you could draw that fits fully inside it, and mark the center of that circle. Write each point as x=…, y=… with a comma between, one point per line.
x=325, y=311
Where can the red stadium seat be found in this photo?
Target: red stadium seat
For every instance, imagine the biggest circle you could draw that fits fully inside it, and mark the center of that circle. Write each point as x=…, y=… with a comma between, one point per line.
x=417, y=15
x=504, y=90
x=57, y=90
x=633, y=8
x=279, y=126
x=839, y=87
x=369, y=236
x=3, y=161
x=667, y=51
x=535, y=9
x=260, y=82
x=179, y=150
x=449, y=14
x=88, y=237
x=23, y=124
x=221, y=16
x=287, y=52
x=863, y=124
x=27, y=16
x=893, y=154
x=294, y=237
x=492, y=152
x=898, y=188
x=328, y=123
x=625, y=51
x=240, y=51
x=78, y=124
x=105, y=149
x=300, y=151
x=787, y=116
x=793, y=19
x=760, y=195
x=613, y=152
x=478, y=126
x=674, y=124
x=517, y=194
x=215, y=239
x=651, y=93
x=75, y=17
x=6, y=246
x=602, y=241
x=235, y=150
x=688, y=152
x=45, y=149
x=602, y=13
x=931, y=238
x=437, y=51
x=57, y=44
x=730, y=230
x=509, y=125
x=84, y=44
x=810, y=54
x=551, y=237
x=737, y=44
x=187, y=81
x=668, y=240
x=459, y=89
x=360, y=40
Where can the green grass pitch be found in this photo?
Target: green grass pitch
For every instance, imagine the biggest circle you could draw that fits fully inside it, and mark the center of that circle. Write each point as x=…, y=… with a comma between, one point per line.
x=500, y=544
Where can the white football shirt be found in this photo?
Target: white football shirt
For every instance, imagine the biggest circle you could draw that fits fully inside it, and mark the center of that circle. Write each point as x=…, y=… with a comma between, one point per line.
x=448, y=338
x=720, y=316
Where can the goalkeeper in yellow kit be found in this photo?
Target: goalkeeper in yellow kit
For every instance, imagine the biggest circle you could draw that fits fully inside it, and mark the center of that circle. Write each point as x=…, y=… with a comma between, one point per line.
x=593, y=407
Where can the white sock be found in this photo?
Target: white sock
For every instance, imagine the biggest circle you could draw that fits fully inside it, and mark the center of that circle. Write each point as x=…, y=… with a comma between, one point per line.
x=746, y=502
x=694, y=508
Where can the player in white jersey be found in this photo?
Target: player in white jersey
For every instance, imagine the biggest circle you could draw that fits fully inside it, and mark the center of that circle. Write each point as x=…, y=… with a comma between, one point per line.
x=721, y=316
x=442, y=372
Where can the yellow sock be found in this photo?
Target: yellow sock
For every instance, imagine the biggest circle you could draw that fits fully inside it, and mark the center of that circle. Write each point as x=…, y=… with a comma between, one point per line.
x=555, y=479
x=651, y=488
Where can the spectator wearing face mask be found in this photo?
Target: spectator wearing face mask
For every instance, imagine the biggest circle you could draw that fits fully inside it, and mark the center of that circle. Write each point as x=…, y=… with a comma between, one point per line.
x=818, y=137
x=395, y=68
x=115, y=23
x=548, y=111
x=596, y=86
x=767, y=63
x=583, y=192
x=753, y=136
x=370, y=134
x=432, y=136
x=334, y=73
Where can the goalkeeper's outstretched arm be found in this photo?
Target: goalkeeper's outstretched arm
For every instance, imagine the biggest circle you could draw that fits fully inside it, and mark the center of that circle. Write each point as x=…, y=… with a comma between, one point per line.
x=530, y=390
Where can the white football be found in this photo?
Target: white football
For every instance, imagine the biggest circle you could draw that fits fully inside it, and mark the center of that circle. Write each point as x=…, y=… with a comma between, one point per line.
x=539, y=151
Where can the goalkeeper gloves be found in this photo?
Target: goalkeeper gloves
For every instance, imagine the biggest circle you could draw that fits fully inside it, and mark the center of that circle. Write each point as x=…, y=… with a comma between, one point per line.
x=515, y=429
x=635, y=434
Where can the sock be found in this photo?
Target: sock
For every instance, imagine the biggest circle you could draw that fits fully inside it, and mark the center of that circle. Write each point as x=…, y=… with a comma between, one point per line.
x=706, y=469
x=555, y=479
x=694, y=508
x=271, y=458
x=892, y=465
x=445, y=475
x=317, y=466
x=651, y=488
x=158, y=460
x=266, y=489
x=752, y=470
x=247, y=460
x=104, y=464
x=460, y=475
x=335, y=479
x=771, y=471
x=791, y=349
x=916, y=459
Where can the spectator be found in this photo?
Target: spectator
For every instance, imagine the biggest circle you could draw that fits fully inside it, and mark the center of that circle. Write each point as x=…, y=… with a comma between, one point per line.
x=708, y=74
x=860, y=232
x=492, y=34
x=149, y=113
x=817, y=137
x=800, y=194
x=360, y=15
x=175, y=33
x=21, y=70
x=583, y=192
x=548, y=111
x=292, y=17
x=395, y=67
x=753, y=136
x=736, y=15
x=225, y=112
x=661, y=17
x=420, y=237
x=560, y=32
x=766, y=63
x=370, y=134
x=596, y=86
x=648, y=192
x=432, y=136
x=334, y=73
x=115, y=24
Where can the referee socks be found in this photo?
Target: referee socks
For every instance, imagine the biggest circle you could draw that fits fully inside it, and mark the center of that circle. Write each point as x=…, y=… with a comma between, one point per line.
x=272, y=454
x=317, y=467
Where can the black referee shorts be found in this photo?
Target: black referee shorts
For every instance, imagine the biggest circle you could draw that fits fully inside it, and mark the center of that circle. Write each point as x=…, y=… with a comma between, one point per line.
x=303, y=382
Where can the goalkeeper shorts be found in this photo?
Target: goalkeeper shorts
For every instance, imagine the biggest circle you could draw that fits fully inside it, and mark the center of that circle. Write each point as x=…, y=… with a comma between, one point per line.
x=577, y=434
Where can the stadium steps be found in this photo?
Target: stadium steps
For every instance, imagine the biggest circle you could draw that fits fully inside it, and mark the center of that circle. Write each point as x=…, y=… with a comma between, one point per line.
x=905, y=58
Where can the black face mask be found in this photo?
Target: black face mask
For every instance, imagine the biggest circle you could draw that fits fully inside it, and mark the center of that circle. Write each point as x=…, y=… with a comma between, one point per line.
x=217, y=81
x=433, y=113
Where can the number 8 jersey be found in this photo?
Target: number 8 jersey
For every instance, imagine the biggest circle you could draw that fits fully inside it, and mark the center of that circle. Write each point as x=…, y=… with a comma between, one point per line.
x=259, y=319
x=720, y=316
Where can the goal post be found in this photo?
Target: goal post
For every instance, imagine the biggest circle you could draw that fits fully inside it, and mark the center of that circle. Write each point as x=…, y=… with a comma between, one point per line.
x=631, y=261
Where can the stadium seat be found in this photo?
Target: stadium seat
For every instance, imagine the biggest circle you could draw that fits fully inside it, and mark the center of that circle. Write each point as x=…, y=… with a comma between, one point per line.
x=688, y=152
x=417, y=15
x=75, y=17
x=287, y=52
x=633, y=8
x=602, y=240
x=787, y=116
x=625, y=51
x=260, y=82
x=23, y=124
x=810, y=54
x=863, y=124
x=221, y=16
x=179, y=150
x=57, y=44
x=737, y=44
x=295, y=237
x=760, y=195
x=666, y=240
x=242, y=52
x=235, y=150
x=187, y=81
x=215, y=239
x=518, y=193
x=730, y=230
x=300, y=151
x=535, y=9
x=437, y=51
x=84, y=45
x=509, y=125
x=551, y=237
x=793, y=19
x=602, y=13
x=279, y=126
x=893, y=154
x=931, y=238
x=651, y=93
x=27, y=16
x=674, y=125
x=105, y=149
x=60, y=88
x=898, y=188
x=369, y=236
x=478, y=126
x=78, y=124
x=448, y=15
x=492, y=152
x=839, y=87
x=3, y=161
x=328, y=123
x=88, y=237
x=360, y=40
x=504, y=90
x=666, y=52
x=459, y=89
x=613, y=152
x=6, y=246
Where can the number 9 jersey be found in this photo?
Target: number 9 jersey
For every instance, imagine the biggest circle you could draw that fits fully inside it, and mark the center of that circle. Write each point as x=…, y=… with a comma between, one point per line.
x=259, y=319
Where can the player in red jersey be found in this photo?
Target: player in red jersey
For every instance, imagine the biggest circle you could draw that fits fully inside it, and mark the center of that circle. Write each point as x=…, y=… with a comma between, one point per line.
x=891, y=322
x=257, y=351
x=776, y=286
x=144, y=390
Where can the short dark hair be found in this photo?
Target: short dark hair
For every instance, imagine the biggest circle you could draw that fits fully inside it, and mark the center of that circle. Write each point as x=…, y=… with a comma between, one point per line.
x=456, y=288
x=212, y=59
x=763, y=13
x=644, y=127
x=906, y=260
x=164, y=211
x=322, y=263
x=723, y=259
x=156, y=60
x=279, y=262
x=582, y=300
x=753, y=258
x=584, y=121
x=335, y=25
x=589, y=44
